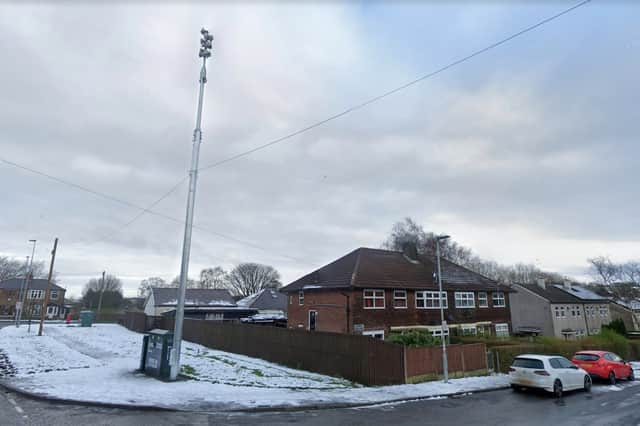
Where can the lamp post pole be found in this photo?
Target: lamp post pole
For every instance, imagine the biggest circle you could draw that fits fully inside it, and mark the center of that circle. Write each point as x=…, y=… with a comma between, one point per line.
x=445, y=363
x=26, y=285
x=205, y=52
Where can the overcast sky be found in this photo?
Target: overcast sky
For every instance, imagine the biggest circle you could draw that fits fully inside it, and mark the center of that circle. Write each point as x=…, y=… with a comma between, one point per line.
x=527, y=153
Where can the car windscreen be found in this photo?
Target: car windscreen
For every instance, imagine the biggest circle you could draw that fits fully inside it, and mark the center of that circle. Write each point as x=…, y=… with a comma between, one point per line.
x=586, y=357
x=528, y=363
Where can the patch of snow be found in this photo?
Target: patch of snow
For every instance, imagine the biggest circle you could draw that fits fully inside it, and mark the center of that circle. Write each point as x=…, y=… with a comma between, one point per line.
x=311, y=287
x=248, y=301
x=98, y=364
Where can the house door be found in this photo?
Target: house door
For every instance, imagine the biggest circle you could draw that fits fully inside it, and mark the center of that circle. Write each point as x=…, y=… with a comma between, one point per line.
x=312, y=320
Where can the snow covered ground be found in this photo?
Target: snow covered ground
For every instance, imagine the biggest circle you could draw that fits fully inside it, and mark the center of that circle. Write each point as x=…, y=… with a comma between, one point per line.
x=99, y=363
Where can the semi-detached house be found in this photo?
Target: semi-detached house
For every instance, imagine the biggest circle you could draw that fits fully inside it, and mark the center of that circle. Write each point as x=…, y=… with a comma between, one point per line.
x=374, y=292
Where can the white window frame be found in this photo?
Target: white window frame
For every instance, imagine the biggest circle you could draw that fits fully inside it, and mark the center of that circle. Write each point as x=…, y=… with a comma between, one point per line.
x=458, y=297
x=36, y=294
x=437, y=332
x=483, y=299
x=504, y=329
x=53, y=295
x=431, y=297
x=374, y=333
x=498, y=296
x=315, y=325
x=465, y=328
x=300, y=297
x=397, y=298
x=375, y=295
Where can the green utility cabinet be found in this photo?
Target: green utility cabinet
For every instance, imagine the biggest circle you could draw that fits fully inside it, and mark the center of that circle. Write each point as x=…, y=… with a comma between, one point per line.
x=86, y=318
x=155, y=355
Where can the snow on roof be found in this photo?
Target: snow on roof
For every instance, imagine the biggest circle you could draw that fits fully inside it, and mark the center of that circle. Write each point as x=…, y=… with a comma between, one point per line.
x=247, y=301
x=581, y=292
x=267, y=298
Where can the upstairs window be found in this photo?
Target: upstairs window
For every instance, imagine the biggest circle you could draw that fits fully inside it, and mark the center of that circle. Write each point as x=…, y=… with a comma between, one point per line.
x=301, y=298
x=374, y=299
x=400, y=299
x=464, y=299
x=498, y=299
x=36, y=294
x=483, y=300
x=431, y=300
x=53, y=295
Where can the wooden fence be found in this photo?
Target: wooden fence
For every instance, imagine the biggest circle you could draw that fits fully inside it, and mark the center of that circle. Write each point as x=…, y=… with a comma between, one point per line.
x=357, y=358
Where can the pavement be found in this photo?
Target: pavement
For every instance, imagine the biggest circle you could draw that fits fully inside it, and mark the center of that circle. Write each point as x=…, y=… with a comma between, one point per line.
x=603, y=406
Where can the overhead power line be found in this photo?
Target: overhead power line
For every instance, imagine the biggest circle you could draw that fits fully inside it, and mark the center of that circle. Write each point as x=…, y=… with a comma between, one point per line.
x=370, y=101
x=142, y=209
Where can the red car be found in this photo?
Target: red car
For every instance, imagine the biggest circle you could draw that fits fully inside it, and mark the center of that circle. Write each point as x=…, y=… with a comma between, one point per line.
x=603, y=364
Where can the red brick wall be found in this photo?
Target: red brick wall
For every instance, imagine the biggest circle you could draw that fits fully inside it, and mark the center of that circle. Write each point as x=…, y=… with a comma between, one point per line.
x=332, y=312
x=331, y=308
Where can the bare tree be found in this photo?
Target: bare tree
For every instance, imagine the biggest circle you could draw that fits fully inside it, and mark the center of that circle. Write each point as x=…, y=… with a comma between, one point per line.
x=408, y=231
x=215, y=277
x=630, y=272
x=14, y=268
x=146, y=285
x=110, y=283
x=603, y=270
x=191, y=283
x=110, y=288
x=249, y=278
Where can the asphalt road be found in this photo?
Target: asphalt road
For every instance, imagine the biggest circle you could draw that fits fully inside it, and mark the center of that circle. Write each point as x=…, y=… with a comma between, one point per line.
x=602, y=406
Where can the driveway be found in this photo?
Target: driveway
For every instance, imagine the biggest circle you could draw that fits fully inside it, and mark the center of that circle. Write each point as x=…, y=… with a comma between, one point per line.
x=604, y=406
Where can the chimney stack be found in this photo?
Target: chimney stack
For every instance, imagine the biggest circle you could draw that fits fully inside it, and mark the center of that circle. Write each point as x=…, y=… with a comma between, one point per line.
x=541, y=283
x=410, y=250
x=566, y=284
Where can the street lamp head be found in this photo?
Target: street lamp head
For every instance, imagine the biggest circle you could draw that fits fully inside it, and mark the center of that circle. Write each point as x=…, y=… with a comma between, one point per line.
x=32, y=241
x=442, y=237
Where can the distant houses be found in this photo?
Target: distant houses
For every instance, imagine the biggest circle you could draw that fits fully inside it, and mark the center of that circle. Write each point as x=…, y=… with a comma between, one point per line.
x=34, y=300
x=207, y=304
x=564, y=310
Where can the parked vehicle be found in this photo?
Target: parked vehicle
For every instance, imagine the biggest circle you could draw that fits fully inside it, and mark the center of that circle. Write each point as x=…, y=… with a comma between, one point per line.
x=552, y=373
x=604, y=365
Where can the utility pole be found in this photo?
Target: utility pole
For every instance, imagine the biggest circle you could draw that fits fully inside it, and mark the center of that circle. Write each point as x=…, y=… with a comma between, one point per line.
x=100, y=298
x=46, y=295
x=174, y=359
x=26, y=284
x=443, y=324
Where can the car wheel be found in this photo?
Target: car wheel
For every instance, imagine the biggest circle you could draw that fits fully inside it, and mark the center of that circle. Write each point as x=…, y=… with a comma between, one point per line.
x=632, y=376
x=587, y=384
x=557, y=388
x=612, y=378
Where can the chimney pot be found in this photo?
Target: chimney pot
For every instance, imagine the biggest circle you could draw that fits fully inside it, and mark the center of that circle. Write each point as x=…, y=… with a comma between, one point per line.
x=566, y=284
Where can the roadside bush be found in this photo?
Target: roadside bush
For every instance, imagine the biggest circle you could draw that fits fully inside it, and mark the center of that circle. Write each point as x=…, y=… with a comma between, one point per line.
x=616, y=325
x=414, y=338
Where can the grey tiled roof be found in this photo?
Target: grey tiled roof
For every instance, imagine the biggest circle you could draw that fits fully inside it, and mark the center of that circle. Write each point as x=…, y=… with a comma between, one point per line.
x=266, y=299
x=168, y=296
x=34, y=284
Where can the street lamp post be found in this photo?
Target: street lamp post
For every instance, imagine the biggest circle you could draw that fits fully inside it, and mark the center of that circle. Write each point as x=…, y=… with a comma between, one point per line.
x=445, y=363
x=24, y=291
x=204, y=53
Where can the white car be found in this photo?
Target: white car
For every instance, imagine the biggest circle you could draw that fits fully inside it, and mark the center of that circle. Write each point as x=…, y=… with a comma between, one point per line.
x=551, y=373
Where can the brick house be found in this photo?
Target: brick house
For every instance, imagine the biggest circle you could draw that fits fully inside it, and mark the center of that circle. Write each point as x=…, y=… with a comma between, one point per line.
x=375, y=292
x=10, y=289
